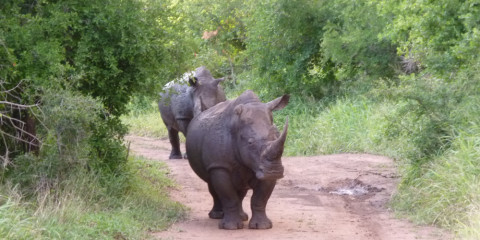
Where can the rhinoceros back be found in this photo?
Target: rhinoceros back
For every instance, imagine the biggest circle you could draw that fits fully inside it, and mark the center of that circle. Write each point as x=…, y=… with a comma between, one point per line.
x=176, y=104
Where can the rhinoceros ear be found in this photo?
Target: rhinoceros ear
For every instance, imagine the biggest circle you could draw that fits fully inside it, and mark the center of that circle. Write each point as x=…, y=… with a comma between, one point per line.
x=238, y=109
x=279, y=103
x=193, y=81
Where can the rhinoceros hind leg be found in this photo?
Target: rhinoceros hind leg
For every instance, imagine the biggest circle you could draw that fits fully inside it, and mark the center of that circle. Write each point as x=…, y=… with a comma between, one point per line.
x=175, y=156
x=217, y=210
x=244, y=216
x=175, y=142
x=241, y=195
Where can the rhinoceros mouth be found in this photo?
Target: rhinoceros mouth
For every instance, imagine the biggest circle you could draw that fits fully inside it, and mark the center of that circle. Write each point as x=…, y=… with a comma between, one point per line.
x=270, y=173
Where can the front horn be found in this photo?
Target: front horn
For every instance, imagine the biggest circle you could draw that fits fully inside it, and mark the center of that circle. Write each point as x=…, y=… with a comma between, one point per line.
x=275, y=149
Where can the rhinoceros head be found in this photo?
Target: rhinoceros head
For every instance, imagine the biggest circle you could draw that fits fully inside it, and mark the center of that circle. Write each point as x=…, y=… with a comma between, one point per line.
x=206, y=90
x=259, y=143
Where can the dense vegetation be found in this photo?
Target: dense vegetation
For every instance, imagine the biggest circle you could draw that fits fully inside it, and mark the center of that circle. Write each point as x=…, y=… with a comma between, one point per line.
x=67, y=72
x=399, y=78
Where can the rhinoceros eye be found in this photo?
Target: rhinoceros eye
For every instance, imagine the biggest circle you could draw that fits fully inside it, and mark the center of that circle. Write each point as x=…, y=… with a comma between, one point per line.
x=251, y=141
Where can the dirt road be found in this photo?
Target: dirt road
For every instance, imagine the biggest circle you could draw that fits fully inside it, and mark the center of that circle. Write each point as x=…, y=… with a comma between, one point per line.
x=342, y=196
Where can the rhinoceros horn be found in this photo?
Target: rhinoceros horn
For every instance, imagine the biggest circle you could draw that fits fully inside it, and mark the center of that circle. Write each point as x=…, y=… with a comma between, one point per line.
x=275, y=148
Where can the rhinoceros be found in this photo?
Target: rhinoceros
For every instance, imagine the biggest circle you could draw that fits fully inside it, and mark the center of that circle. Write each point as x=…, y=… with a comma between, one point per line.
x=234, y=147
x=183, y=99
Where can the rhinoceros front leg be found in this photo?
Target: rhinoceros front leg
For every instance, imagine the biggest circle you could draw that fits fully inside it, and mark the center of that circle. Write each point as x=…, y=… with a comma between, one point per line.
x=260, y=196
x=175, y=142
x=217, y=210
x=231, y=205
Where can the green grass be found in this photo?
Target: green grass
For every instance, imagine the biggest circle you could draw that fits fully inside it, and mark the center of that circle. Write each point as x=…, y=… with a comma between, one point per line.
x=471, y=228
x=147, y=123
x=448, y=192
x=84, y=209
x=345, y=125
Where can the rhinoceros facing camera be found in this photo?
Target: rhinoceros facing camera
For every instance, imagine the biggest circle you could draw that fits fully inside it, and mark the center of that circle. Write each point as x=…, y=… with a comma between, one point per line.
x=234, y=146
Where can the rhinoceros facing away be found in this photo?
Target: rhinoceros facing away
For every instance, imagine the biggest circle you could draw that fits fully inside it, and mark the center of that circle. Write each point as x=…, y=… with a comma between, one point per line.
x=234, y=146
x=179, y=103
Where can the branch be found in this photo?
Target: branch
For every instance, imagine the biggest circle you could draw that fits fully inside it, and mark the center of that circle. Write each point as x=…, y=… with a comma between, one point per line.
x=18, y=106
x=20, y=129
x=2, y=115
x=8, y=91
x=17, y=138
x=5, y=160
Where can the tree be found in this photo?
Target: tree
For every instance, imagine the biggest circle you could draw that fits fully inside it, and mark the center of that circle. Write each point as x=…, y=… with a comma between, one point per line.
x=284, y=40
x=219, y=31
x=440, y=35
x=93, y=51
x=351, y=41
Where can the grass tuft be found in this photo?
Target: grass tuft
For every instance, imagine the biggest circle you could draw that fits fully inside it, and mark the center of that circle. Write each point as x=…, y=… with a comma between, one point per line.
x=146, y=123
x=83, y=209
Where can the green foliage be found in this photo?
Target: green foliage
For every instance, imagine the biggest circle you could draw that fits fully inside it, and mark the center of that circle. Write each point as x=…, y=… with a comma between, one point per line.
x=430, y=102
x=283, y=39
x=351, y=41
x=441, y=35
x=447, y=189
x=218, y=27
x=96, y=55
x=111, y=47
x=15, y=218
x=443, y=188
x=71, y=142
x=84, y=208
x=343, y=125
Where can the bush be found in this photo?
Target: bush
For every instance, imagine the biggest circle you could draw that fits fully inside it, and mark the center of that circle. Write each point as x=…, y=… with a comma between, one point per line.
x=283, y=40
x=446, y=192
x=70, y=142
x=85, y=208
x=443, y=189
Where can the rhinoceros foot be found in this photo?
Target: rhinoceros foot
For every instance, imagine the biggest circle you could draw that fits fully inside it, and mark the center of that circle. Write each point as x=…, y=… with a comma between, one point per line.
x=215, y=214
x=244, y=216
x=231, y=221
x=175, y=156
x=219, y=215
x=231, y=224
x=260, y=223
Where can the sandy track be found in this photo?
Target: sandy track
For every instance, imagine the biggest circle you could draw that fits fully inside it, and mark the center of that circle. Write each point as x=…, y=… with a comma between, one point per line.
x=312, y=201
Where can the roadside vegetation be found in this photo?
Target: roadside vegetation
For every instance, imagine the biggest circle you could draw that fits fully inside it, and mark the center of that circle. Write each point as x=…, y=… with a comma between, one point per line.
x=397, y=78
x=87, y=207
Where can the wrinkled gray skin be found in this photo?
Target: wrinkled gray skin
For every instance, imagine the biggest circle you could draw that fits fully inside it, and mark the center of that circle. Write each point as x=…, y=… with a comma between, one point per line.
x=181, y=102
x=234, y=146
